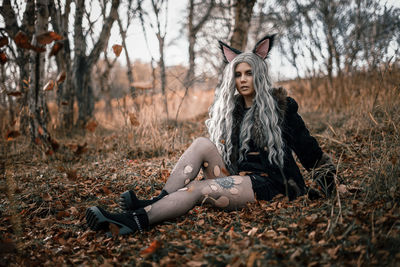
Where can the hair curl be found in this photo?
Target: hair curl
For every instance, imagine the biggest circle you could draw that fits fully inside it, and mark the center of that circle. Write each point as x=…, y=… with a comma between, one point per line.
x=220, y=122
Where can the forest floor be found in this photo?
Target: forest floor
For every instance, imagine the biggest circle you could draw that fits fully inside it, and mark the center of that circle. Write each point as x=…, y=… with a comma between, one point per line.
x=43, y=200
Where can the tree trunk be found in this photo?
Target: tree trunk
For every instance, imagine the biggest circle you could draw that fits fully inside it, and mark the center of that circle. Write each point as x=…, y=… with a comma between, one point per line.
x=193, y=30
x=83, y=65
x=163, y=75
x=243, y=12
x=37, y=103
x=65, y=94
x=128, y=61
x=12, y=28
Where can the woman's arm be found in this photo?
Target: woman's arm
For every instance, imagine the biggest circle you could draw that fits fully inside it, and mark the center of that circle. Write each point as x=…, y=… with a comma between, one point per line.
x=307, y=149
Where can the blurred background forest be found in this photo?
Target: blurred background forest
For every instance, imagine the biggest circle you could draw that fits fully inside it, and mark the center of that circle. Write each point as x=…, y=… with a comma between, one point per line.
x=61, y=73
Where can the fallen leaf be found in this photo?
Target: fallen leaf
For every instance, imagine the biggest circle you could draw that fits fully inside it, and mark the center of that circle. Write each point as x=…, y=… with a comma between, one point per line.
x=47, y=197
x=91, y=125
x=114, y=229
x=14, y=93
x=253, y=231
x=49, y=86
x=106, y=190
x=296, y=254
x=62, y=214
x=40, y=130
x=48, y=37
x=3, y=41
x=56, y=48
x=11, y=135
x=61, y=77
x=22, y=40
x=342, y=189
x=38, y=49
x=225, y=171
x=117, y=49
x=152, y=248
x=72, y=174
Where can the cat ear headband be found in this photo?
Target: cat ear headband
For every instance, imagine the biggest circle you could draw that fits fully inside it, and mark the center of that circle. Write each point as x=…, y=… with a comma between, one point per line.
x=261, y=48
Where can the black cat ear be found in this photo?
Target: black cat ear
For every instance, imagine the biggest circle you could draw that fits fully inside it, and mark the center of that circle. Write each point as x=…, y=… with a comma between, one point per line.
x=263, y=46
x=228, y=52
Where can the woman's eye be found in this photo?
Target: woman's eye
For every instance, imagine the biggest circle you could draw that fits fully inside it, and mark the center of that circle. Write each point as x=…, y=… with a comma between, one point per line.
x=249, y=73
x=237, y=74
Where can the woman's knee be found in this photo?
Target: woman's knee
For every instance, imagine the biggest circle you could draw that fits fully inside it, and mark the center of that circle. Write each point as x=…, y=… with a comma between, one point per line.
x=203, y=142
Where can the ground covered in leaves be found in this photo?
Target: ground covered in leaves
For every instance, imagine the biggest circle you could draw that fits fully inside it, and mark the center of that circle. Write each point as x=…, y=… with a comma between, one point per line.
x=44, y=198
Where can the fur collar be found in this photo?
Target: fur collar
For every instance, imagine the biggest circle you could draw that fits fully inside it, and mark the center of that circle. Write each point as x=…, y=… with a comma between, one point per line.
x=258, y=136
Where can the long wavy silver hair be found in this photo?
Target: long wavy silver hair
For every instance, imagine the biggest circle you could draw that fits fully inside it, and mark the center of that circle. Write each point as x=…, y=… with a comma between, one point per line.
x=220, y=122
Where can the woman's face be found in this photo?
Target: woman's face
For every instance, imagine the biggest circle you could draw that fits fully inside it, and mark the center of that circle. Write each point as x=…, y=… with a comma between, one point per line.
x=244, y=80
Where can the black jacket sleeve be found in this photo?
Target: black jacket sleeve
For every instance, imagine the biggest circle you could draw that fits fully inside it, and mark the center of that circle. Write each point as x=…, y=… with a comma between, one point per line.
x=298, y=137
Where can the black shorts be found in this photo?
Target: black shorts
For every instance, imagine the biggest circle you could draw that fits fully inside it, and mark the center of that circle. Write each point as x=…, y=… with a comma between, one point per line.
x=263, y=187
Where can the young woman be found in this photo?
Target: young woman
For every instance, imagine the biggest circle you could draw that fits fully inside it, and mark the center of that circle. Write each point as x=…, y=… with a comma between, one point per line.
x=253, y=130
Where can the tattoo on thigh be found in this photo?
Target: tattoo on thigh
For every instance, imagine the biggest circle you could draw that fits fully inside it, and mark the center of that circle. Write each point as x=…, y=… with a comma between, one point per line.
x=226, y=182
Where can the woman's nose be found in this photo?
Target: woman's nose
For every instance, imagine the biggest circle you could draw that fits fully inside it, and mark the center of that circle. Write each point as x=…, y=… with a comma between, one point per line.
x=243, y=78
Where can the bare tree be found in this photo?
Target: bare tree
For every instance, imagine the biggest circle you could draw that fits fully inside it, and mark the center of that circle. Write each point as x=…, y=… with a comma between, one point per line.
x=159, y=8
x=83, y=65
x=193, y=29
x=21, y=55
x=130, y=11
x=65, y=92
x=37, y=101
x=243, y=11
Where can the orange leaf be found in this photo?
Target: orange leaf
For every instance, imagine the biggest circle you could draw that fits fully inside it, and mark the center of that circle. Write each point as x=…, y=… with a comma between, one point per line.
x=61, y=77
x=37, y=141
x=133, y=119
x=117, y=49
x=3, y=58
x=11, y=135
x=114, y=229
x=40, y=130
x=152, y=248
x=106, y=190
x=38, y=49
x=47, y=197
x=49, y=86
x=48, y=37
x=3, y=41
x=22, y=40
x=55, y=49
x=14, y=93
x=91, y=125
x=72, y=174
x=225, y=171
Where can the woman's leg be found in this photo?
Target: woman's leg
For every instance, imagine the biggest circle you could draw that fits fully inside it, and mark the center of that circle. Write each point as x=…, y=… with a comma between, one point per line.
x=202, y=153
x=228, y=192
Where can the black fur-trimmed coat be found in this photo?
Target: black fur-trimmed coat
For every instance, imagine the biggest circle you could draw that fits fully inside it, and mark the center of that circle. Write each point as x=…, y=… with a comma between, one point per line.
x=296, y=139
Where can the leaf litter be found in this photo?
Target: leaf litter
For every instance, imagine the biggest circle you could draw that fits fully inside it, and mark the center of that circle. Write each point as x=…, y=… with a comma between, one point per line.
x=43, y=204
